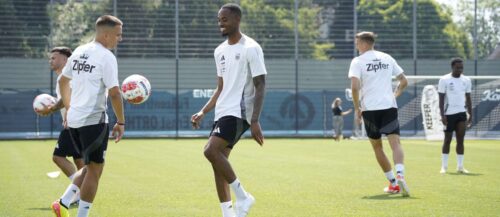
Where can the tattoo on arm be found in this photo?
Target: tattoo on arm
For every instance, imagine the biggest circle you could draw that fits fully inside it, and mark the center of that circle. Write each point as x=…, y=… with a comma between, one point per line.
x=260, y=91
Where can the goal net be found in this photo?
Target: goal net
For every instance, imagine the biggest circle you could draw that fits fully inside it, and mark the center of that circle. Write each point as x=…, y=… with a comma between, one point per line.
x=419, y=108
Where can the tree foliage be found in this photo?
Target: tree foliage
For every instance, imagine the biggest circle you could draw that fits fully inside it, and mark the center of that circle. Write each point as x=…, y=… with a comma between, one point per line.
x=20, y=34
x=488, y=24
x=391, y=20
x=73, y=22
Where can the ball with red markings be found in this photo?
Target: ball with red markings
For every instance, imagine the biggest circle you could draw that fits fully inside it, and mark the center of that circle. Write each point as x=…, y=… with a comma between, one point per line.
x=136, y=89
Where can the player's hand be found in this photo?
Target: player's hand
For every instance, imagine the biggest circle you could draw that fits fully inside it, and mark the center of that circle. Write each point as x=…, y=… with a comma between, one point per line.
x=357, y=114
x=196, y=119
x=118, y=131
x=257, y=133
x=469, y=121
x=46, y=111
x=444, y=120
x=65, y=119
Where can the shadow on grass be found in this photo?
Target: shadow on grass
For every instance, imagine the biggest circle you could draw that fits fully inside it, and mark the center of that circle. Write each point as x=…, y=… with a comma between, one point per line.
x=464, y=174
x=388, y=197
x=44, y=209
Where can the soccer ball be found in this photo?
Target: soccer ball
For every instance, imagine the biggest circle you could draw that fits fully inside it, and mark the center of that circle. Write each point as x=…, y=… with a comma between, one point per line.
x=43, y=100
x=136, y=89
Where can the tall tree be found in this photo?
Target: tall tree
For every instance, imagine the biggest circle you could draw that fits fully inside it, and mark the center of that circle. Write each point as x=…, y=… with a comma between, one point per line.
x=488, y=24
x=272, y=24
x=73, y=21
x=437, y=35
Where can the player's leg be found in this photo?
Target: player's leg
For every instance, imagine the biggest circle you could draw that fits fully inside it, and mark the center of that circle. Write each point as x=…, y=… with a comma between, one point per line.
x=398, y=158
x=372, y=121
x=94, y=139
x=460, y=134
x=225, y=134
x=64, y=148
x=221, y=183
x=390, y=127
x=65, y=165
x=60, y=206
x=445, y=150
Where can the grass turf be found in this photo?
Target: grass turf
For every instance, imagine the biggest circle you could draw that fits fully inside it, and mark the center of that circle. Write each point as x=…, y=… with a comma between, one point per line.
x=288, y=177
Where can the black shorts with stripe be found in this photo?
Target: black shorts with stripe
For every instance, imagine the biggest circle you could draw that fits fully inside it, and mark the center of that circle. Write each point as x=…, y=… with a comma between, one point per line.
x=453, y=120
x=91, y=142
x=380, y=122
x=229, y=128
x=65, y=146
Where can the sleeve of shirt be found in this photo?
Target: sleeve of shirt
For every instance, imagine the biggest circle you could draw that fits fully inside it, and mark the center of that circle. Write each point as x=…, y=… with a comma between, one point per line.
x=469, y=86
x=256, y=61
x=217, y=66
x=354, y=69
x=396, y=70
x=67, y=72
x=110, y=72
x=441, y=86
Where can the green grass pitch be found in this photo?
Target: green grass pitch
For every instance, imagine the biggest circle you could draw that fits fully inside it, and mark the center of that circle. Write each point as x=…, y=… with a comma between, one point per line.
x=288, y=177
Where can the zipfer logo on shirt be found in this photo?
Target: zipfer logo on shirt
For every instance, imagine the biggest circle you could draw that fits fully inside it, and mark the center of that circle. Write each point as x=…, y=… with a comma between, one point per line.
x=82, y=66
x=376, y=66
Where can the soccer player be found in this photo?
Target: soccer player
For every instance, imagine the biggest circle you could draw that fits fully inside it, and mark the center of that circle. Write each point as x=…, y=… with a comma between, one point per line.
x=64, y=146
x=93, y=72
x=371, y=83
x=454, y=96
x=238, y=102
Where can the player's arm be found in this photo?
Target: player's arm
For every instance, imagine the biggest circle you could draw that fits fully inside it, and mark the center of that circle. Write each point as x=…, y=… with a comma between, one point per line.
x=260, y=91
x=65, y=91
x=403, y=82
x=355, y=87
x=468, y=104
x=117, y=104
x=441, y=108
x=196, y=118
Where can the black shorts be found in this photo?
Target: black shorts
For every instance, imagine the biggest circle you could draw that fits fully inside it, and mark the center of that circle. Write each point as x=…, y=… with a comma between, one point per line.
x=65, y=147
x=380, y=122
x=453, y=120
x=229, y=128
x=91, y=142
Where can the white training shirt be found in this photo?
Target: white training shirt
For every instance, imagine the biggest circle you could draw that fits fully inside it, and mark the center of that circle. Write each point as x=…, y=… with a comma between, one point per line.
x=93, y=70
x=454, y=90
x=237, y=64
x=375, y=70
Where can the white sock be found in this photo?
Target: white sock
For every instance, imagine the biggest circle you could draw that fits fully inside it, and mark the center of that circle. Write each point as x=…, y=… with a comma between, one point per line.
x=76, y=197
x=83, y=208
x=390, y=177
x=444, y=160
x=238, y=189
x=72, y=176
x=460, y=160
x=69, y=194
x=400, y=169
x=227, y=209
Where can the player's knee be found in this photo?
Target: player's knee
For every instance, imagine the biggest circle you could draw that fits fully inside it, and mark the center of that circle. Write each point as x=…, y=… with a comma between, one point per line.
x=210, y=154
x=56, y=159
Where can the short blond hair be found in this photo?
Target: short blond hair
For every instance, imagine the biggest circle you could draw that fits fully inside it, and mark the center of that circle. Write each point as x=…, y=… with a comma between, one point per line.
x=368, y=37
x=108, y=21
